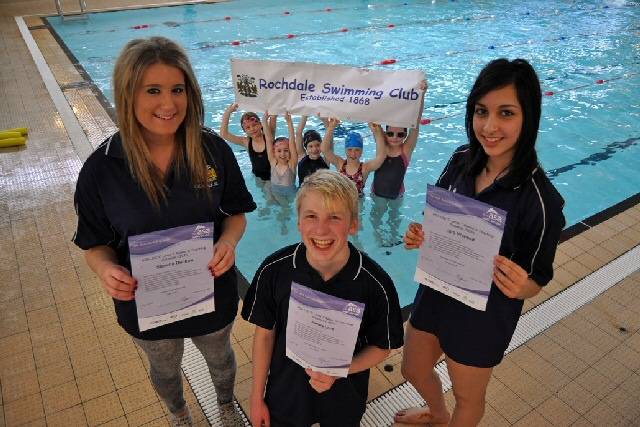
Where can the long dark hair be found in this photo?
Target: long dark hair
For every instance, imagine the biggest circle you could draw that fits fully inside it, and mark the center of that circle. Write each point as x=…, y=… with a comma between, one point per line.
x=495, y=75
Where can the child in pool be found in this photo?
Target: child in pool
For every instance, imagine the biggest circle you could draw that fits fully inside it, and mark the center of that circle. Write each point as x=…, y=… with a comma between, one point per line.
x=254, y=142
x=282, y=157
x=388, y=180
x=351, y=166
x=309, y=155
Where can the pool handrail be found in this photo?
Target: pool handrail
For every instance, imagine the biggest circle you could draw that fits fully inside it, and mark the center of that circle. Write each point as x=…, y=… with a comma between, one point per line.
x=81, y=15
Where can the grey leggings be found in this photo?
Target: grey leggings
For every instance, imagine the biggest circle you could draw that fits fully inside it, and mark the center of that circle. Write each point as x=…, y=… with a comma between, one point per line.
x=165, y=357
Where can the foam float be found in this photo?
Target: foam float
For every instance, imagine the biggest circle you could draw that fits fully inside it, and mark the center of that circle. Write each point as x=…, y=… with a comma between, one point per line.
x=21, y=131
x=13, y=137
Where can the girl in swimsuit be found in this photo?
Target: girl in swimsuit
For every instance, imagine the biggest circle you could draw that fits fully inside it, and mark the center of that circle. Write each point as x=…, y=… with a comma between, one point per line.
x=309, y=155
x=351, y=166
x=254, y=142
x=282, y=156
x=387, y=188
x=388, y=180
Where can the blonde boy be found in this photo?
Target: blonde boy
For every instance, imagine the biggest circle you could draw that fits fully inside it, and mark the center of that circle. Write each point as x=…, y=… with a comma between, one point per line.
x=284, y=393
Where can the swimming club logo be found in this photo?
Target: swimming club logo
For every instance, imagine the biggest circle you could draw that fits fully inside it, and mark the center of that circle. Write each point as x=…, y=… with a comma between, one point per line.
x=494, y=217
x=201, y=231
x=247, y=85
x=212, y=177
x=352, y=309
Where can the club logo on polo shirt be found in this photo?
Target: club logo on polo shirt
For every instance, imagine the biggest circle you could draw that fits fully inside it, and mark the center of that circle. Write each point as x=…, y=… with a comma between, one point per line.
x=212, y=177
x=494, y=217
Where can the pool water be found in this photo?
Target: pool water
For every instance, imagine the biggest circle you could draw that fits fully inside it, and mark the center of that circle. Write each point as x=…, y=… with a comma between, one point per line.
x=587, y=55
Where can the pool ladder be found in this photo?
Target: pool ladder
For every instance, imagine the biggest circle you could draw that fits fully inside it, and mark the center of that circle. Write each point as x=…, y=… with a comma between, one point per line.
x=81, y=15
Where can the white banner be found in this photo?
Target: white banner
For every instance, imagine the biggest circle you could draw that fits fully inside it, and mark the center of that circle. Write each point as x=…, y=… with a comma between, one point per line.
x=348, y=93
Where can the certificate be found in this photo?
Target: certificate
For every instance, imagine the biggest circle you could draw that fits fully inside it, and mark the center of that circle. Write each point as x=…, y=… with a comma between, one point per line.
x=174, y=281
x=462, y=238
x=322, y=330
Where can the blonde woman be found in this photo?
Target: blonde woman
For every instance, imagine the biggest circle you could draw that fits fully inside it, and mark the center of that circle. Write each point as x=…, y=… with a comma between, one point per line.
x=162, y=169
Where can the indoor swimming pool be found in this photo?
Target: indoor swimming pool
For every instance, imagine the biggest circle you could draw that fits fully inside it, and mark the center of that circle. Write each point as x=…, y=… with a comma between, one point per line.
x=587, y=55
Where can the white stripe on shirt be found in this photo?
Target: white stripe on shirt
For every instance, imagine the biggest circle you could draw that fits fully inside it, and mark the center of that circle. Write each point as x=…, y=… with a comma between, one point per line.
x=388, y=308
x=544, y=225
x=255, y=298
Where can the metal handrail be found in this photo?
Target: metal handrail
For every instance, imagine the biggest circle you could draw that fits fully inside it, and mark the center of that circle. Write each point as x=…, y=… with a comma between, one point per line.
x=60, y=9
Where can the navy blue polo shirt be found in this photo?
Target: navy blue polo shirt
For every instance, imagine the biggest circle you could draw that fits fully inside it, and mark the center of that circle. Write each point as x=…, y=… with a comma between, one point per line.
x=111, y=206
x=289, y=395
x=531, y=234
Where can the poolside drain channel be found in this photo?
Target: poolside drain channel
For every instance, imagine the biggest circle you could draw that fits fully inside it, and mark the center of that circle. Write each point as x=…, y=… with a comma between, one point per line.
x=380, y=411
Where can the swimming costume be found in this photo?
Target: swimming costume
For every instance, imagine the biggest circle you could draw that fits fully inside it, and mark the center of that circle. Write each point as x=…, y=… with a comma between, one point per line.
x=307, y=166
x=388, y=180
x=283, y=183
x=259, y=162
x=357, y=177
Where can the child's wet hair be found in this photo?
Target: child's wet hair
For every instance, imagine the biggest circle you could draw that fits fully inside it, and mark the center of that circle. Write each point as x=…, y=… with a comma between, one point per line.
x=333, y=187
x=310, y=135
x=279, y=140
x=249, y=115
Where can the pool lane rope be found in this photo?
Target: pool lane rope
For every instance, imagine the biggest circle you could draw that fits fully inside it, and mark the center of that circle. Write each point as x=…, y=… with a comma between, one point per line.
x=288, y=12
x=547, y=93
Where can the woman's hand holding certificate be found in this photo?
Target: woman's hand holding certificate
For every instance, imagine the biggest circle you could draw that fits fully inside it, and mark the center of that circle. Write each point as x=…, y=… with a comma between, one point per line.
x=224, y=255
x=513, y=280
x=462, y=236
x=414, y=236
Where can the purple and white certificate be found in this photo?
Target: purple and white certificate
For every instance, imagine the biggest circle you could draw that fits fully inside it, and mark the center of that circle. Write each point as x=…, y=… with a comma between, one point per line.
x=461, y=238
x=322, y=330
x=174, y=281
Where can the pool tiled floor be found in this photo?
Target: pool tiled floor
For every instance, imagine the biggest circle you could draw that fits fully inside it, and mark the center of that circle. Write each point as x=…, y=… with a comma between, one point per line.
x=64, y=360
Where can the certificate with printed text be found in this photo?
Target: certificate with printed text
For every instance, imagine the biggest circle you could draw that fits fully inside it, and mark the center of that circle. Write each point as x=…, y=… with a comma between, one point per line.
x=461, y=239
x=174, y=281
x=322, y=330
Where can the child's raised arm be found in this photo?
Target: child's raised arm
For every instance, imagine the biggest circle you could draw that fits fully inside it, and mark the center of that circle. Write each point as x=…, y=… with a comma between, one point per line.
x=412, y=140
x=326, y=147
x=268, y=137
x=381, y=151
x=299, y=147
x=273, y=124
x=293, y=157
x=224, y=128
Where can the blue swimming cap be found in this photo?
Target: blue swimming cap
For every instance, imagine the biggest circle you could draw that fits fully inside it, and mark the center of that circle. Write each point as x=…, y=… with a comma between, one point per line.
x=353, y=140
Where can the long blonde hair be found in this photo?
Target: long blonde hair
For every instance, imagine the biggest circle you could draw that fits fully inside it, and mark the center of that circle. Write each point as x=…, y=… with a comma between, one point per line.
x=133, y=61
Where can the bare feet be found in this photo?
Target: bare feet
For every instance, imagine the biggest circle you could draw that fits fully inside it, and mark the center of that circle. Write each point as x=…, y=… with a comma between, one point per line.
x=420, y=416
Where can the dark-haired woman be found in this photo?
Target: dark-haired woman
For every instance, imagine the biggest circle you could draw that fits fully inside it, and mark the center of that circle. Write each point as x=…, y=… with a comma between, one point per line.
x=498, y=166
x=161, y=170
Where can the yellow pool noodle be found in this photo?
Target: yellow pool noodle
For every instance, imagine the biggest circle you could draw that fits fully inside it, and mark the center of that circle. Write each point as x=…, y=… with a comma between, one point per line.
x=22, y=131
x=9, y=134
x=10, y=142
